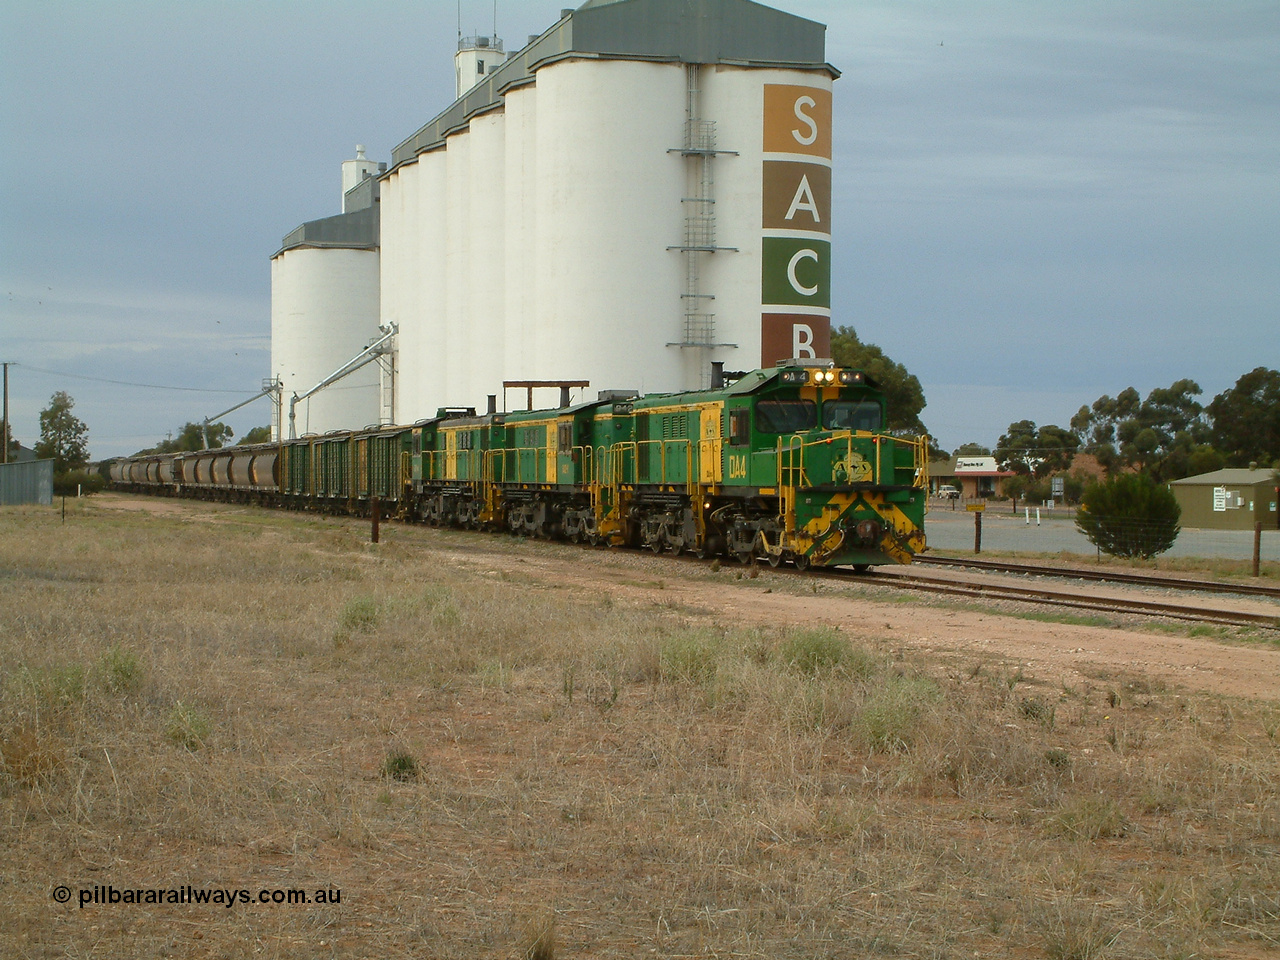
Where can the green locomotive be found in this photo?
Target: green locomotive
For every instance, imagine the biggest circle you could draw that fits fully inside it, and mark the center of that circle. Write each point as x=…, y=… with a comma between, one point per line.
x=790, y=463
x=785, y=464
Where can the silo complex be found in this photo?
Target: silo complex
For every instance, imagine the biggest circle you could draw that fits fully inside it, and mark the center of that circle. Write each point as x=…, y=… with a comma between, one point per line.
x=643, y=189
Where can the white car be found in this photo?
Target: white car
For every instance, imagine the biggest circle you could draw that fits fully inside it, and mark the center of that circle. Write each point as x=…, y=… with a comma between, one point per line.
x=948, y=492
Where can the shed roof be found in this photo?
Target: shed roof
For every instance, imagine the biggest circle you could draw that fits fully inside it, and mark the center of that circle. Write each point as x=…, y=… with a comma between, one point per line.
x=1235, y=475
x=678, y=31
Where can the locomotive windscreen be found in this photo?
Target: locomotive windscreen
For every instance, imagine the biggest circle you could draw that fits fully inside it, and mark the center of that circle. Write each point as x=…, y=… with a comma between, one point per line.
x=851, y=415
x=786, y=416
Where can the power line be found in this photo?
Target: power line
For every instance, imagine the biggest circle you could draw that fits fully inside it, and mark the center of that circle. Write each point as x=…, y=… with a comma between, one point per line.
x=125, y=383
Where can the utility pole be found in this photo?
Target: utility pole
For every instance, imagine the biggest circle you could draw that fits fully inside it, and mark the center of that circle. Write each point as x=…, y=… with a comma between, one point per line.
x=4, y=441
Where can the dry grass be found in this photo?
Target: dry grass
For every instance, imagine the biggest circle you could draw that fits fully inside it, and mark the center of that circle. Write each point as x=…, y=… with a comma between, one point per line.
x=487, y=765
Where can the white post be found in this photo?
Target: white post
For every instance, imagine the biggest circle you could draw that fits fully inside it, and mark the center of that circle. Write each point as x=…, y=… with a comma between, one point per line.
x=1037, y=516
x=1028, y=510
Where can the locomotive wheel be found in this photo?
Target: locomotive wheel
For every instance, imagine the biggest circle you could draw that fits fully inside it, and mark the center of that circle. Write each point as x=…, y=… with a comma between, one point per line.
x=861, y=568
x=801, y=562
x=677, y=549
x=744, y=556
x=655, y=545
x=775, y=559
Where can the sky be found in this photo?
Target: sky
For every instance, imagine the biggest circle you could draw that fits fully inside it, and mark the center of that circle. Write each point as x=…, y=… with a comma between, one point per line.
x=1036, y=202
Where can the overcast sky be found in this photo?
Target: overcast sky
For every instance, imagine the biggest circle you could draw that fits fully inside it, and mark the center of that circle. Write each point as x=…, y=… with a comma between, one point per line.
x=1036, y=201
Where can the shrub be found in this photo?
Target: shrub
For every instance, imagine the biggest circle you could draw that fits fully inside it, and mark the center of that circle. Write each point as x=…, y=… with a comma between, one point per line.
x=1129, y=515
x=70, y=483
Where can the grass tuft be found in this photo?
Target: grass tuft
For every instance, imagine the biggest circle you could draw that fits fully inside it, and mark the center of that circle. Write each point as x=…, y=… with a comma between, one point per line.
x=121, y=670
x=400, y=765
x=1090, y=818
x=691, y=656
x=187, y=727
x=812, y=652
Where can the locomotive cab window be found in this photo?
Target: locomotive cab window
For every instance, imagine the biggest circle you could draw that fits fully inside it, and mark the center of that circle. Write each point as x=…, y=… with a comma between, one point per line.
x=857, y=415
x=786, y=416
x=564, y=436
x=739, y=427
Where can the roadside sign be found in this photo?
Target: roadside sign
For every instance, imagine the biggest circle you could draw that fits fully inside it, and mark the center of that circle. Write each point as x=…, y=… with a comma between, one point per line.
x=975, y=507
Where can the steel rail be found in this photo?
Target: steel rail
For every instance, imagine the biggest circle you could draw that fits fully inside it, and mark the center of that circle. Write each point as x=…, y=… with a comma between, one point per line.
x=993, y=591
x=1077, y=573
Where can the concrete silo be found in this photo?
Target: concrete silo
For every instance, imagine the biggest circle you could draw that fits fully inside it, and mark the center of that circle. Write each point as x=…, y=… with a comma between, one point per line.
x=642, y=189
x=325, y=290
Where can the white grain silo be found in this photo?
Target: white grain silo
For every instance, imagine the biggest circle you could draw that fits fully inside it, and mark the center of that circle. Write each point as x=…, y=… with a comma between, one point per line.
x=642, y=189
x=325, y=291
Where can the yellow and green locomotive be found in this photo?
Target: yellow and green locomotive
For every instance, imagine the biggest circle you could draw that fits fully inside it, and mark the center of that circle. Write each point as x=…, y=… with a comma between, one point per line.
x=786, y=464
x=791, y=463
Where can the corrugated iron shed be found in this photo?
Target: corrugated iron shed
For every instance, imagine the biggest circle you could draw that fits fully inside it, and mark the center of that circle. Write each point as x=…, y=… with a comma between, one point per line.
x=29, y=482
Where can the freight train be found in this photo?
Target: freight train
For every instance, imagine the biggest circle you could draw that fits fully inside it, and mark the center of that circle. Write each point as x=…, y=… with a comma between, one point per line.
x=786, y=464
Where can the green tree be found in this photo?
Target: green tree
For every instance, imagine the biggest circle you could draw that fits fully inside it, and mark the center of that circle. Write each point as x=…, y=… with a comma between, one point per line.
x=1129, y=515
x=256, y=435
x=903, y=393
x=1039, y=451
x=1161, y=435
x=1096, y=425
x=972, y=450
x=1246, y=419
x=190, y=438
x=64, y=438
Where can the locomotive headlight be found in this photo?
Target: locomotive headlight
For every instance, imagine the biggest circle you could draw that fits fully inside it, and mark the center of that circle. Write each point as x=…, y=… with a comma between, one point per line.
x=850, y=376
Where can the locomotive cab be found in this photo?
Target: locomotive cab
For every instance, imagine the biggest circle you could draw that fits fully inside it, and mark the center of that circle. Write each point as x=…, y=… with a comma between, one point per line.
x=813, y=475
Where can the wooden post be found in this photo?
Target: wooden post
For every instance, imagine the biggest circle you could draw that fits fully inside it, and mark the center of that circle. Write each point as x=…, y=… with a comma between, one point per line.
x=376, y=512
x=1257, y=548
x=977, y=531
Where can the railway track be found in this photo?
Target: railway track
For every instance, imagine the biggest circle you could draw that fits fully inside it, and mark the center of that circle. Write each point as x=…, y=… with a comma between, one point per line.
x=894, y=578
x=1104, y=576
